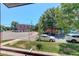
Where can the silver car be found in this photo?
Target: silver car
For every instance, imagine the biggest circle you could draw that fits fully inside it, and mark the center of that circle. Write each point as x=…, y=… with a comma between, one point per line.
x=46, y=37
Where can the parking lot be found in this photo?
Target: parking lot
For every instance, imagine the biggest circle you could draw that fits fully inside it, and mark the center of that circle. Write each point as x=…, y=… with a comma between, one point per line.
x=18, y=35
x=23, y=35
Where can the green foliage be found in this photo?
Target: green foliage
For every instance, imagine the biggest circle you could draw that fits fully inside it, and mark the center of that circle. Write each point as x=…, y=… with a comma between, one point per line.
x=46, y=20
x=39, y=46
x=35, y=28
x=70, y=49
x=71, y=11
x=66, y=16
x=60, y=48
x=13, y=25
x=4, y=28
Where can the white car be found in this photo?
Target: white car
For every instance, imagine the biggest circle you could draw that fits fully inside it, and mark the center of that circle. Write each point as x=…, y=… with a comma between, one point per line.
x=47, y=38
x=73, y=37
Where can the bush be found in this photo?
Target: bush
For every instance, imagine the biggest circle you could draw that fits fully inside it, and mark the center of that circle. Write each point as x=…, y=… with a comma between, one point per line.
x=69, y=49
x=39, y=46
x=38, y=39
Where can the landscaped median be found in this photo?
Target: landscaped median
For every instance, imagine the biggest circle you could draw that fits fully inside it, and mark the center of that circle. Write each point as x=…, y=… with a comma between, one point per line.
x=60, y=48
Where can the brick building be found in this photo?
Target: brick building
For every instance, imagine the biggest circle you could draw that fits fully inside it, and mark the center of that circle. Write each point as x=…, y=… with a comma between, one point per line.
x=23, y=28
x=53, y=30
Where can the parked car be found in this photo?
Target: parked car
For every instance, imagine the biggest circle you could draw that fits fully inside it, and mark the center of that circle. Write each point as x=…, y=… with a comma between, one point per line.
x=72, y=37
x=16, y=31
x=47, y=37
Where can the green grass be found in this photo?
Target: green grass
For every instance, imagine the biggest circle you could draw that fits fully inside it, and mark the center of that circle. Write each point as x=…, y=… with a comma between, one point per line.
x=46, y=46
x=70, y=49
x=49, y=47
x=61, y=48
x=5, y=40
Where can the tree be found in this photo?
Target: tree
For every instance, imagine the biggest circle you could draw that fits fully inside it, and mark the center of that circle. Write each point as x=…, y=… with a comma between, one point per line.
x=2, y=28
x=71, y=12
x=13, y=25
x=8, y=28
x=36, y=27
x=66, y=17
x=61, y=20
x=46, y=20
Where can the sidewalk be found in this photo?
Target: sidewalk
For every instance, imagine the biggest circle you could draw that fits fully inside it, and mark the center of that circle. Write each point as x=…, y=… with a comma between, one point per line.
x=12, y=41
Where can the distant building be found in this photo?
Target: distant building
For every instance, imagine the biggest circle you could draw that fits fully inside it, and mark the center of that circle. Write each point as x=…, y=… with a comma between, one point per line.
x=23, y=28
x=53, y=30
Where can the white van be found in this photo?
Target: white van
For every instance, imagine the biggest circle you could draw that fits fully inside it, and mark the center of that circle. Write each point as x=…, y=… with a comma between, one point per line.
x=73, y=37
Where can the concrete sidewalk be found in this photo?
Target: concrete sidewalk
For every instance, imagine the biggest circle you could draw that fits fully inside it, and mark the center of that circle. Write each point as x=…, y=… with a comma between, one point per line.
x=12, y=41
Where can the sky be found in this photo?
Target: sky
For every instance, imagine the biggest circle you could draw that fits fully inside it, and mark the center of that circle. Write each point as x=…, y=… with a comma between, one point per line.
x=27, y=14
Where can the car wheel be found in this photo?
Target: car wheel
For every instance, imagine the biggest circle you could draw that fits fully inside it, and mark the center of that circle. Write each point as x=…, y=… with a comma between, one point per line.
x=73, y=41
x=68, y=41
x=52, y=40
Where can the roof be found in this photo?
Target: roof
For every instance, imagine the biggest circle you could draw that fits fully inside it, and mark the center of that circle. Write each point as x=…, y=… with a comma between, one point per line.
x=11, y=5
x=23, y=25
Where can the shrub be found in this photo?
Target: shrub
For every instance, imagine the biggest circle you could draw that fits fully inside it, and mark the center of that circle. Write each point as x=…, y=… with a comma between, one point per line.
x=39, y=46
x=38, y=39
x=69, y=49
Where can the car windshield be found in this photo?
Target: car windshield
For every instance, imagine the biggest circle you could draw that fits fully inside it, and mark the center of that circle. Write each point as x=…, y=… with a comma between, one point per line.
x=74, y=32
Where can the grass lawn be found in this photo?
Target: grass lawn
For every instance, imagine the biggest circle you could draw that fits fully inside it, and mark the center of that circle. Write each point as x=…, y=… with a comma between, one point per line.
x=61, y=48
x=5, y=40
